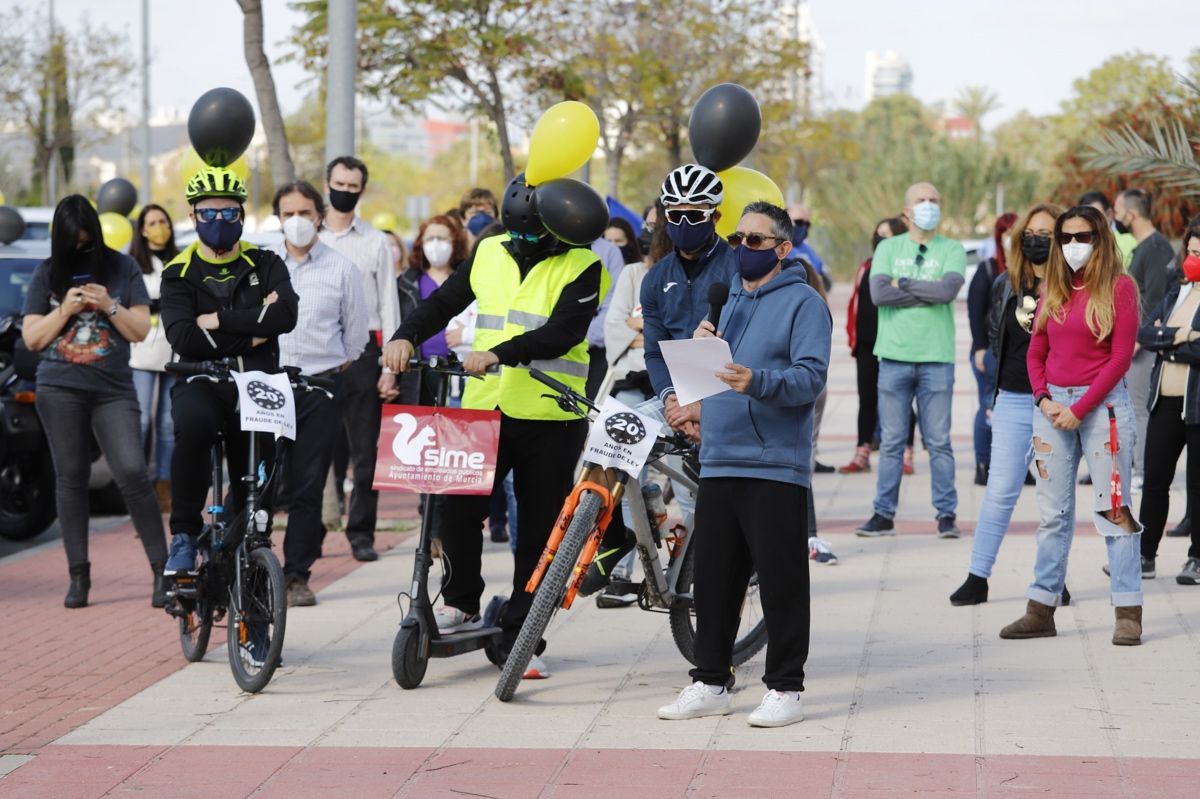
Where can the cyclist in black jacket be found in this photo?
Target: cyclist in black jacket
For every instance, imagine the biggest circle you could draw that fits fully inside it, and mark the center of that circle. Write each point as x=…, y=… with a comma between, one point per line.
x=221, y=298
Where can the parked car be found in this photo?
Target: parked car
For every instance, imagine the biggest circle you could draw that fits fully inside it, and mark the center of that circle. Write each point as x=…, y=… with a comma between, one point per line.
x=37, y=223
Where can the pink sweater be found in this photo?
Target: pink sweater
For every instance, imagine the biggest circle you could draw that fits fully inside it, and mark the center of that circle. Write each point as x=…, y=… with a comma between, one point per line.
x=1067, y=354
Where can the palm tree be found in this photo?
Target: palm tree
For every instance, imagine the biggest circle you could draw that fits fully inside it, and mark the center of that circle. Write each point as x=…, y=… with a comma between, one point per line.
x=974, y=103
x=1170, y=158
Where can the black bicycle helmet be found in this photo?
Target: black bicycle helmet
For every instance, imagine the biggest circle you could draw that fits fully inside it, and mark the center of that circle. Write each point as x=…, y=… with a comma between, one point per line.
x=518, y=211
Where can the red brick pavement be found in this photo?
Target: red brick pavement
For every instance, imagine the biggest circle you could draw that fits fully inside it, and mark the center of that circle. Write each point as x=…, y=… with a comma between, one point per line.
x=63, y=668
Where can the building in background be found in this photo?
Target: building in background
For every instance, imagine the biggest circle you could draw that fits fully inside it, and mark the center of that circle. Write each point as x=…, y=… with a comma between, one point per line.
x=887, y=73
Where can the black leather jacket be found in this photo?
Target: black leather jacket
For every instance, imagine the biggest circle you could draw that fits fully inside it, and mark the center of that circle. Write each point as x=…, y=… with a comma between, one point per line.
x=1003, y=300
x=1160, y=340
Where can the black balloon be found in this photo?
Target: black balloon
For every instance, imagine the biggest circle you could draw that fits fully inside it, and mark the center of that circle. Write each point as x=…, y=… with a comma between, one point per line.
x=572, y=211
x=117, y=195
x=724, y=126
x=221, y=126
x=12, y=225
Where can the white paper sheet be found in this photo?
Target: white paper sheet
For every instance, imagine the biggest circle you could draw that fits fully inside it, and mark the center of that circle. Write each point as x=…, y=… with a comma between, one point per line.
x=693, y=364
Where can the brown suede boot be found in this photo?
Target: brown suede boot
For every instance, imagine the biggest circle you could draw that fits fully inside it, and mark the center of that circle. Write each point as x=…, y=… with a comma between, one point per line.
x=1128, y=629
x=162, y=489
x=1038, y=622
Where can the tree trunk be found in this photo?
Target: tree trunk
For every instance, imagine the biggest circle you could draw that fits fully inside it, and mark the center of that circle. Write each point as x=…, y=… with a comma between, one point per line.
x=283, y=171
x=612, y=168
x=499, y=115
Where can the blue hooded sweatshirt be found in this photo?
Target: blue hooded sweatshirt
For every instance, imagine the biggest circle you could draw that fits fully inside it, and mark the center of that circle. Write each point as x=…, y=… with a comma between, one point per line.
x=782, y=331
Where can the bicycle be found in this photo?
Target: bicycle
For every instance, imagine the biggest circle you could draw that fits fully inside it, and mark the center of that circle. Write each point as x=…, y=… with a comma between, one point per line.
x=576, y=538
x=239, y=576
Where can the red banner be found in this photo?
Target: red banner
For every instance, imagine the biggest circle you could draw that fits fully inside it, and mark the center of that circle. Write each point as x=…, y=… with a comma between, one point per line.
x=428, y=450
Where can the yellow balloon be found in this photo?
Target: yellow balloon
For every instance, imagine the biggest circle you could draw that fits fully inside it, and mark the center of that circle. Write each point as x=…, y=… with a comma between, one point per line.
x=2, y=201
x=563, y=140
x=385, y=220
x=742, y=187
x=193, y=163
x=116, y=230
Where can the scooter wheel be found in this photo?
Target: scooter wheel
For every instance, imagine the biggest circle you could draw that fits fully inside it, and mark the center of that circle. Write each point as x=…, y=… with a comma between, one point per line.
x=408, y=661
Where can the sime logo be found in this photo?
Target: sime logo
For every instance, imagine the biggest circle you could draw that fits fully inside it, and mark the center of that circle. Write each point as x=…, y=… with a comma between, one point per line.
x=413, y=447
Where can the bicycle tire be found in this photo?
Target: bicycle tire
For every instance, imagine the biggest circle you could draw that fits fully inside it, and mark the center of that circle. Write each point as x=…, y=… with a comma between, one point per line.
x=683, y=627
x=263, y=601
x=549, y=595
x=408, y=662
x=194, y=631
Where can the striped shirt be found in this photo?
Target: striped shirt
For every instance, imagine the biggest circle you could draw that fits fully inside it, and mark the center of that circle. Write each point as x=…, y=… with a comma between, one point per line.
x=331, y=328
x=371, y=252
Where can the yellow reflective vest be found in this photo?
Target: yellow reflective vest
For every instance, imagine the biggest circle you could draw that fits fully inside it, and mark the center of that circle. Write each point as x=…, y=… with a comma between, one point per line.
x=510, y=307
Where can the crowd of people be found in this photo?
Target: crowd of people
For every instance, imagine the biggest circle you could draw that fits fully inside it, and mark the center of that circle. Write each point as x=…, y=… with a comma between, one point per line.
x=1084, y=346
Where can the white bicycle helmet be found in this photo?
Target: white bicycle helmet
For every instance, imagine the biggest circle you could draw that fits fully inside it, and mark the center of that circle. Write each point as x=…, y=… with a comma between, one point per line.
x=692, y=184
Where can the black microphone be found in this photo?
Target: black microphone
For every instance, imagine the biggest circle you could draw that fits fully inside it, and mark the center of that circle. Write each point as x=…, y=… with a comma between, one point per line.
x=718, y=293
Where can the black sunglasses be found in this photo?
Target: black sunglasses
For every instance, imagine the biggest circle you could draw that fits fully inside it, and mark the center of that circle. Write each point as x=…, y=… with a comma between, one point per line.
x=921, y=250
x=1083, y=238
x=753, y=240
x=211, y=214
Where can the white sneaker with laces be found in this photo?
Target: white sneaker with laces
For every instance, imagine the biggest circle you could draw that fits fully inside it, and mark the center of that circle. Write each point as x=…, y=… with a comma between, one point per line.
x=820, y=551
x=696, y=701
x=453, y=620
x=778, y=709
x=536, y=670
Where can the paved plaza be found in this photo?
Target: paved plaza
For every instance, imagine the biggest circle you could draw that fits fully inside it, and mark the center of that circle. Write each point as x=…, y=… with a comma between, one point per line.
x=906, y=695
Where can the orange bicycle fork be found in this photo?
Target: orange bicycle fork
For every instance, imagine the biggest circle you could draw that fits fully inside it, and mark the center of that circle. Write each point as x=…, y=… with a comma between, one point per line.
x=609, y=487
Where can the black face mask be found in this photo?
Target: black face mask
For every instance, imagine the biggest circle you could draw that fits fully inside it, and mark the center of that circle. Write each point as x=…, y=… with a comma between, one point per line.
x=344, y=201
x=644, y=238
x=1036, y=249
x=1120, y=227
x=629, y=254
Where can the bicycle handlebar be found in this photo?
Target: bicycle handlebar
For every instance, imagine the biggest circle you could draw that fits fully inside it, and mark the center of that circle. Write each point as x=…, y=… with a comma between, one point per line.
x=219, y=372
x=447, y=365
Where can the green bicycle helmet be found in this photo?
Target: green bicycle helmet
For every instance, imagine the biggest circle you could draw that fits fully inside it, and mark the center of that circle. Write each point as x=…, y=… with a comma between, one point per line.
x=215, y=181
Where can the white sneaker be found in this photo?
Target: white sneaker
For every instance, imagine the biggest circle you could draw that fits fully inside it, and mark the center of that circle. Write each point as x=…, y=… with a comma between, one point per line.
x=453, y=620
x=820, y=551
x=536, y=670
x=778, y=709
x=696, y=701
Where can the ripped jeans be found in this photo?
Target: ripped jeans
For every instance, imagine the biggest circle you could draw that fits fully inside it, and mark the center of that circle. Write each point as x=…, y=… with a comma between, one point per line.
x=1056, y=455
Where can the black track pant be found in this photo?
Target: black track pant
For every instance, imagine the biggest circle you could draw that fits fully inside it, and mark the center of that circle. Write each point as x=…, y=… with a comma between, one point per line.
x=744, y=526
x=1166, y=436
x=542, y=456
x=306, y=464
x=361, y=412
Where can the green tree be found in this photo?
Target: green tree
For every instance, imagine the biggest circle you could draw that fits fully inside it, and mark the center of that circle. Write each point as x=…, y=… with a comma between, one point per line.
x=469, y=57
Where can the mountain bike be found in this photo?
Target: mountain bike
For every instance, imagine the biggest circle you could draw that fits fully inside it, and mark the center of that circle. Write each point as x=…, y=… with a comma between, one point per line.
x=579, y=530
x=239, y=578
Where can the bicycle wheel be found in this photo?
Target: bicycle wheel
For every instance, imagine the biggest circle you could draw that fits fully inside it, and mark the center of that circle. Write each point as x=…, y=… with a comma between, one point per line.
x=549, y=595
x=752, y=629
x=255, y=640
x=194, y=631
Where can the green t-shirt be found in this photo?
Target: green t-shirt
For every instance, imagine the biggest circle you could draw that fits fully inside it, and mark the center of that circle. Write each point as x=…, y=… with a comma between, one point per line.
x=1125, y=243
x=924, y=333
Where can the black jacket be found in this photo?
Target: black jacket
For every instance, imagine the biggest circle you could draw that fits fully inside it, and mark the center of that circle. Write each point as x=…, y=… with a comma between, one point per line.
x=1160, y=340
x=978, y=305
x=242, y=318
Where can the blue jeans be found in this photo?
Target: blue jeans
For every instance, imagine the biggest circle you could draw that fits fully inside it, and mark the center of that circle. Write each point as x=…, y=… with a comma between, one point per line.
x=985, y=382
x=1012, y=430
x=156, y=404
x=932, y=384
x=1056, y=454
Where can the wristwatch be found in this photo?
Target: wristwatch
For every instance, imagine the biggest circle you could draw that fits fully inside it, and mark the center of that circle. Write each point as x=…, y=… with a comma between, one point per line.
x=116, y=306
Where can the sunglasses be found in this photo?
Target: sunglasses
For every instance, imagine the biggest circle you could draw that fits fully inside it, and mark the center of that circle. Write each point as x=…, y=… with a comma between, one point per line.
x=921, y=250
x=1083, y=238
x=693, y=216
x=754, y=241
x=211, y=214
x=532, y=238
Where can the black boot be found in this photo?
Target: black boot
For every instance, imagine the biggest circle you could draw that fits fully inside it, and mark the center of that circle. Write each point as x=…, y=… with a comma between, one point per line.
x=81, y=583
x=973, y=592
x=158, y=599
x=981, y=474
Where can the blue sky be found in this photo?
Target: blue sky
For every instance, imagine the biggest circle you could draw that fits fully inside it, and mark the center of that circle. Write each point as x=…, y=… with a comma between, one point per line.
x=1028, y=51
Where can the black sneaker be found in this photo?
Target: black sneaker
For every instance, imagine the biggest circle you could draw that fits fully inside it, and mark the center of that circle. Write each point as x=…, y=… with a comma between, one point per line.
x=1181, y=530
x=500, y=534
x=600, y=572
x=876, y=527
x=823, y=468
x=1149, y=572
x=947, y=528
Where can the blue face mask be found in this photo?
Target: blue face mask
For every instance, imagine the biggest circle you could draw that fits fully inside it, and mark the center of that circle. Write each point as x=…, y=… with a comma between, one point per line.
x=478, y=223
x=754, y=264
x=688, y=237
x=218, y=234
x=926, y=215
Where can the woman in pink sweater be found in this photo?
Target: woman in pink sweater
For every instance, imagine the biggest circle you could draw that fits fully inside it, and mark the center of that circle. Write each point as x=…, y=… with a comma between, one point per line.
x=1082, y=345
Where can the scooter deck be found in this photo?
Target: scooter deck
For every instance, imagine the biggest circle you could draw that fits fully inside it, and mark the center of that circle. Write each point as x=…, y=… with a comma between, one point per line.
x=447, y=646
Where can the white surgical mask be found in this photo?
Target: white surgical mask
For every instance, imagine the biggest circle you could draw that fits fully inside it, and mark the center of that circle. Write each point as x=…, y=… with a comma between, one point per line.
x=298, y=231
x=438, y=252
x=1077, y=254
x=926, y=215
